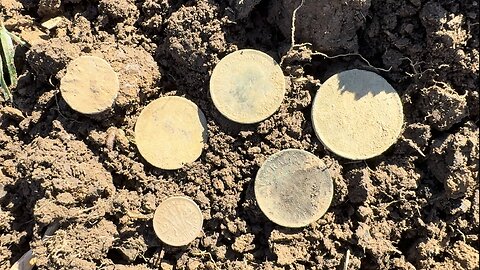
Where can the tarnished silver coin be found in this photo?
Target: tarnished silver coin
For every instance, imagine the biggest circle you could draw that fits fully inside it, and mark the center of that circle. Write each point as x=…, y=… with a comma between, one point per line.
x=177, y=221
x=247, y=86
x=357, y=114
x=293, y=188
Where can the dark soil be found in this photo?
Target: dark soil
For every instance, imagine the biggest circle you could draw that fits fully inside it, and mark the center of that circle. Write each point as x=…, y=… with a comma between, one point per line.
x=414, y=207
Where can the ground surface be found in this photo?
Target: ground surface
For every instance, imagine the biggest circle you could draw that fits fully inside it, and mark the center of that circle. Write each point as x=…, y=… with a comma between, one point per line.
x=414, y=207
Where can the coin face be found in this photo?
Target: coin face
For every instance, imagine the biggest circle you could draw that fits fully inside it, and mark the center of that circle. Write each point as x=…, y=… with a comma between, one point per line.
x=90, y=85
x=247, y=86
x=170, y=132
x=357, y=114
x=293, y=188
x=177, y=221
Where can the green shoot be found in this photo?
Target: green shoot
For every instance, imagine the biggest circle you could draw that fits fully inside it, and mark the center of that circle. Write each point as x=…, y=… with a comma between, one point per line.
x=3, y=85
x=7, y=64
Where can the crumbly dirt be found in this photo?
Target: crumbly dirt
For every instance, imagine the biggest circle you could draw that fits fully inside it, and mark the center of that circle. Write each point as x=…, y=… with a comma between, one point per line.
x=414, y=207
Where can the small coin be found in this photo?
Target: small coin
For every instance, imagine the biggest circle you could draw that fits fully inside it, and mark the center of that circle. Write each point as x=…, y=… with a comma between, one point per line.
x=90, y=85
x=247, y=86
x=177, y=221
x=293, y=188
x=171, y=132
x=357, y=114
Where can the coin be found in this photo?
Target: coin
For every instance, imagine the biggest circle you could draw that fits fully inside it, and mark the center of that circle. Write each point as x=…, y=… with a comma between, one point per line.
x=177, y=221
x=170, y=132
x=293, y=188
x=90, y=85
x=357, y=114
x=247, y=86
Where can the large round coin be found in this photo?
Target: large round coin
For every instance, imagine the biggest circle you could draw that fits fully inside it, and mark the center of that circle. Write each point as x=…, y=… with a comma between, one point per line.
x=293, y=188
x=357, y=114
x=247, y=86
x=90, y=85
x=170, y=132
x=177, y=221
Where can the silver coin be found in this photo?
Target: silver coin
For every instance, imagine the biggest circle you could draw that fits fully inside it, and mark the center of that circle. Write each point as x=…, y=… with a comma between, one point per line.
x=177, y=221
x=293, y=188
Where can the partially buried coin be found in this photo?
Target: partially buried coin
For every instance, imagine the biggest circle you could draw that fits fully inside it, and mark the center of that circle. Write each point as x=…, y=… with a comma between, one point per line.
x=170, y=132
x=357, y=114
x=247, y=86
x=90, y=85
x=177, y=221
x=293, y=188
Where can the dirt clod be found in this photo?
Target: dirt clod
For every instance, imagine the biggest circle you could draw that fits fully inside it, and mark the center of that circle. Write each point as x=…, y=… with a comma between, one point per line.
x=49, y=57
x=454, y=161
x=442, y=106
x=329, y=25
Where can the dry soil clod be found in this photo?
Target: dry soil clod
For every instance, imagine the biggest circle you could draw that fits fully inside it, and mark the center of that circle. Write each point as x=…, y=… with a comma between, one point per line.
x=178, y=221
x=90, y=85
x=357, y=114
x=247, y=86
x=171, y=132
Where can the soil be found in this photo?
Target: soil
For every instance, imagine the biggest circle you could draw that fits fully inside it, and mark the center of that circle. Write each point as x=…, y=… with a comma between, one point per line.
x=414, y=207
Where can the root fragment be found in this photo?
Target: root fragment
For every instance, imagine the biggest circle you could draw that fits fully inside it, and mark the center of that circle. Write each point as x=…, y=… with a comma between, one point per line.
x=294, y=45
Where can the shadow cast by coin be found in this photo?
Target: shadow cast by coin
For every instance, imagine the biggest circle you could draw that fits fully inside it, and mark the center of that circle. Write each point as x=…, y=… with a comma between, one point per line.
x=350, y=81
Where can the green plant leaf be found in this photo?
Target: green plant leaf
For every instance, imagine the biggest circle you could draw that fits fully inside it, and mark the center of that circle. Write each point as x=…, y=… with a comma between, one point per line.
x=8, y=53
x=3, y=84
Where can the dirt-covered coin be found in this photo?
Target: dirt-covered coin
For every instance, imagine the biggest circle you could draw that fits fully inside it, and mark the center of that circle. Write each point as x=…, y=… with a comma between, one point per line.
x=247, y=86
x=90, y=85
x=177, y=221
x=357, y=114
x=293, y=188
x=171, y=132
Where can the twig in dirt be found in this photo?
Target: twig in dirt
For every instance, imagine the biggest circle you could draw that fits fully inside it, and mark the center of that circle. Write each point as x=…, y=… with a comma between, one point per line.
x=414, y=146
x=347, y=260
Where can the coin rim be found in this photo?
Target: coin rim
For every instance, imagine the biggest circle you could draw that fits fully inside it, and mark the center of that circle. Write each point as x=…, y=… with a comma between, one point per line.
x=203, y=123
x=315, y=217
x=175, y=198
x=116, y=79
x=316, y=109
x=212, y=86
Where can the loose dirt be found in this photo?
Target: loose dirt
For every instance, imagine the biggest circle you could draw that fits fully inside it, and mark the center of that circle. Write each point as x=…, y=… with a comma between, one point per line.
x=414, y=207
